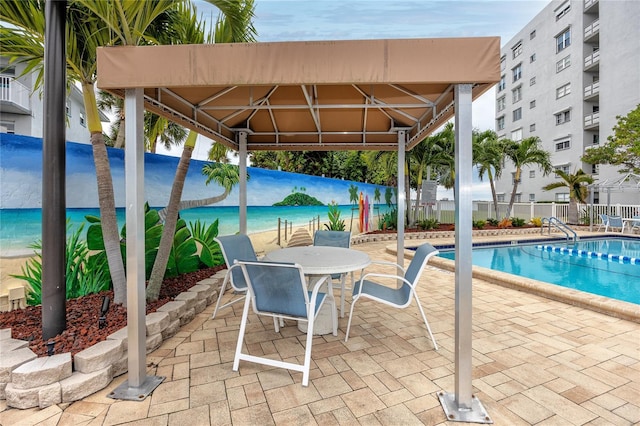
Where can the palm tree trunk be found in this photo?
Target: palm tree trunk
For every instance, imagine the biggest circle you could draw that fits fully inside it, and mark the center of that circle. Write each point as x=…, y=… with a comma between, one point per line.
x=166, y=240
x=493, y=193
x=572, y=215
x=106, y=198
x=418, y=196
x=120, y=137
x=513, y=193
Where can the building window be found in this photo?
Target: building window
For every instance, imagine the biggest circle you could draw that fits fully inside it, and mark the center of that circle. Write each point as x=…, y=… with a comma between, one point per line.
x=516, y=135
x=563, y=117
x=68, y=109
x=502, y=84
x=500, y=123
x=565, y=168
x=532, y=104
x=532, y=127
x=83, y=120
x=532, y=81
x=563, y=63
x=532, y=35
x=513, y=178
x=517, y=94
x=563, y=40
x=532, y=58
x=595, y=169
x=532, y=197
x=500, y=198
x=517, y=114
x=532, y=174
x=595, y=109
x=517, y=50
x=501, y=103
x=517, y=72
x=563, y=144
x=562, y=198
x=503, y=63
x=563, y=90
x=596, y=139
x=7, y=126
x=563, y=10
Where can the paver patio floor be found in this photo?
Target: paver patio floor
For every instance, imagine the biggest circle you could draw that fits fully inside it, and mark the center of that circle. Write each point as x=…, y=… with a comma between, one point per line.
x=535, y=362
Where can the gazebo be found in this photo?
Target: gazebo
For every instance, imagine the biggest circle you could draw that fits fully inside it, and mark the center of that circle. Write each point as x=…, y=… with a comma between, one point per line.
x=316, y=95
x=630, y=182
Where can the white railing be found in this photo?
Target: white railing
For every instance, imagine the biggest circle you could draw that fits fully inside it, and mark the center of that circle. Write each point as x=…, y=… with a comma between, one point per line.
x=14, y=91
x=592, y=29
x=591, y=120
x=592, y=89
x=592, y=60
x=444, y=211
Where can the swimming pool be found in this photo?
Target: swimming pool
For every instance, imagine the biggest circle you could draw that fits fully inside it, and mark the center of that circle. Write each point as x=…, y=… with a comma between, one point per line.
x=614, y=270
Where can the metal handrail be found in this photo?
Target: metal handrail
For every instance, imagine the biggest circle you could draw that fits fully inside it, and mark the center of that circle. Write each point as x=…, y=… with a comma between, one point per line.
x=560, y=225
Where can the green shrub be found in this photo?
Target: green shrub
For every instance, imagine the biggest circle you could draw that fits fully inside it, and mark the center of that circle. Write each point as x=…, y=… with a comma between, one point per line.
x=83, y=274
x=479, y=224
x=427, y=224
x=536, y=221
x=335, y=223
x=389, y=220
x=518, y=222
x=493, y=222
x=210, y=253
x=183, y=257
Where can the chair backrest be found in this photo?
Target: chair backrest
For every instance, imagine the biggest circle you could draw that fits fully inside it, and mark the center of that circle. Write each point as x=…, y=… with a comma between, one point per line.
x=604, y=218
x=332, y=238
x=236, y=247
x=420, y=259
x=276, y=288
x=615, y=221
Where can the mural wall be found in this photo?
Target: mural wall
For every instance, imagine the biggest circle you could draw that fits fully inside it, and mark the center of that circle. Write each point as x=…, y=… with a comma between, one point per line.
x=21, y=179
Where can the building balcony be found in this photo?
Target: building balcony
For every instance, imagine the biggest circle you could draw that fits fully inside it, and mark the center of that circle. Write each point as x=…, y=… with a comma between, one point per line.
x=592, y=62
x=592, y=92
x=592, y=121
x=14, y=96
x=591, y=6
x=592, y=32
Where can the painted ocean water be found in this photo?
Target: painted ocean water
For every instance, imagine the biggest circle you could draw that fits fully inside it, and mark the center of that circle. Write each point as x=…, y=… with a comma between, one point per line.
x=21, y=227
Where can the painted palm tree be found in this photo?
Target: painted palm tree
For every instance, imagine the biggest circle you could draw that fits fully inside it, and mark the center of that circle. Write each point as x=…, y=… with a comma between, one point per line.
x=353, y=199
x=234, y=24
x=577, y=184
x=488, y=153
x=527, y=152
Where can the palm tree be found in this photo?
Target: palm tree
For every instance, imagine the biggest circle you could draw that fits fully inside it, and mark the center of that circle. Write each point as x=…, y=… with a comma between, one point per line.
x=353, y=199
x=233, y=25
x=527, y=152
x=488, y=153
x=447, y=170
x=428, y=153
x=577, y=190
x=159, y=129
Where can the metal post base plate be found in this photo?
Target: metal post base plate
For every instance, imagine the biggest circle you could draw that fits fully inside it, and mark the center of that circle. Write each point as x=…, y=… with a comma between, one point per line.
x=475, y=414
x=128, y=393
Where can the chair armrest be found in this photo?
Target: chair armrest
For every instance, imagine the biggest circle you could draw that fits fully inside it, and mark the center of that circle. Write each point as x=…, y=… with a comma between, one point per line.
x=385, y=263
x=375, y=274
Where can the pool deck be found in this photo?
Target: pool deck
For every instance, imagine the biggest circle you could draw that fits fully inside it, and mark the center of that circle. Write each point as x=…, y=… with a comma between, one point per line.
x=536, y=361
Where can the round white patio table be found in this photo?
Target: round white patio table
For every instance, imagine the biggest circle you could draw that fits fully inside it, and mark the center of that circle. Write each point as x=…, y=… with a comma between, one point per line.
x=319, y=261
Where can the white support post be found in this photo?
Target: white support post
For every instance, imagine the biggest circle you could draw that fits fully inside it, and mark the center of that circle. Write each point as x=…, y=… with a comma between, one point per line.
x=401, y=197
x=463, y=406
x=139, y=385
x=242, y=164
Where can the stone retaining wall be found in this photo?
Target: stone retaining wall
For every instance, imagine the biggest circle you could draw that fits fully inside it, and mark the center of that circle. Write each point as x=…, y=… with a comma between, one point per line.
x=369, y=238
x=28, y=381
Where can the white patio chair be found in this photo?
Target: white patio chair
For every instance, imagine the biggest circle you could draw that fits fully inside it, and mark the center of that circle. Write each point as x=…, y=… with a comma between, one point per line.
x=400, y=297
x=335, y=239
x=279, y=290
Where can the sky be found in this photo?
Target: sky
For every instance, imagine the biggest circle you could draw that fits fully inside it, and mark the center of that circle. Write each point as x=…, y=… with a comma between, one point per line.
x=301, y=20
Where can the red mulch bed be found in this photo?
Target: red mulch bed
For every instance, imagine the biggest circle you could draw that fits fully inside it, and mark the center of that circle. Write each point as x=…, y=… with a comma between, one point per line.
x=82, y=317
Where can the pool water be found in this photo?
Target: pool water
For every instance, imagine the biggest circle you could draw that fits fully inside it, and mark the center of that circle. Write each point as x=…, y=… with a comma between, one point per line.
x=614, y=274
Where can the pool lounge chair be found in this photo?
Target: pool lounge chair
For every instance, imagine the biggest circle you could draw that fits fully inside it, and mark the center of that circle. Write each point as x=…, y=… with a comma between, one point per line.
x=604, y=220
x=614, y=222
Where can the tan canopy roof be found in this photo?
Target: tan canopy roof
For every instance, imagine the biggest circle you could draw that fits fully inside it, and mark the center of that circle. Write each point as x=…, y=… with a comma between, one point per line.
x=315, y=95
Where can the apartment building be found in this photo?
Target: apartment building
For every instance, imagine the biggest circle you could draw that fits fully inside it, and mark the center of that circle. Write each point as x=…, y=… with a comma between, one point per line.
x=22, y=110
x=565, y=77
